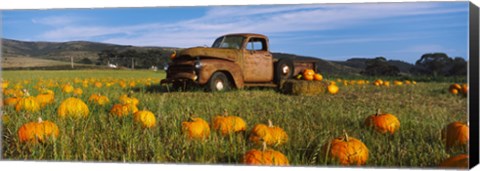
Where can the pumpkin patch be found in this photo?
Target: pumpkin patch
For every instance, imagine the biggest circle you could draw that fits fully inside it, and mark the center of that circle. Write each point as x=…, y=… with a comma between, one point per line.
x=153, y=127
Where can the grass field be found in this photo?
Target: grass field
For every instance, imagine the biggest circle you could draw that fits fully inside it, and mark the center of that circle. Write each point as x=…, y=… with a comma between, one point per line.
x=423, y=109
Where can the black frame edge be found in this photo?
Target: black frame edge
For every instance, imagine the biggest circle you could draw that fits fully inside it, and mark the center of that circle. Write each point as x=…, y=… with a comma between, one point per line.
x=473, y=85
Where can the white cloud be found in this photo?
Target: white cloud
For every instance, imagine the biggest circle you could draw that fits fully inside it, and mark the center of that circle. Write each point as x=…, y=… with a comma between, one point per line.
x=281, y=19
x=55, y=20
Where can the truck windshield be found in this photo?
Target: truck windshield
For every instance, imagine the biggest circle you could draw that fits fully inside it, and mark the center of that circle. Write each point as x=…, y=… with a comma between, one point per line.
x=230, y=42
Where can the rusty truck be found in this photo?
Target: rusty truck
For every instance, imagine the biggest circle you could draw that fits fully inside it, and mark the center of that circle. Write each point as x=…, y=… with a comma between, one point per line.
x=234, y=61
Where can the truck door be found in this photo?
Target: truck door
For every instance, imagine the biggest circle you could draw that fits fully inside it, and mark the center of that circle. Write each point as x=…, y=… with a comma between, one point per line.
x=258, y=62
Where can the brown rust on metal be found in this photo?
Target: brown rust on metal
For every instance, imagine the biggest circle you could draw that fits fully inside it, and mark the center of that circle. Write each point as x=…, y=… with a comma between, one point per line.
x=245, y=67
x=213, y=65
x=224, y=53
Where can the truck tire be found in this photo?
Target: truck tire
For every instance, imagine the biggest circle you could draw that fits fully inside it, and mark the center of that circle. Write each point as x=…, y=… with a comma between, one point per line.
x=283, y=70
x=218, y=82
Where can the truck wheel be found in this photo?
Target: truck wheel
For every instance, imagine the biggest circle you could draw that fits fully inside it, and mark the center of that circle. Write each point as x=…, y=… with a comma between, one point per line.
x=218, y=82
x=283, y=70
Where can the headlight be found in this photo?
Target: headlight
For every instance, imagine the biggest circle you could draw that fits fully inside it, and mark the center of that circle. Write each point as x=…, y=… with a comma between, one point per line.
x=198, y=65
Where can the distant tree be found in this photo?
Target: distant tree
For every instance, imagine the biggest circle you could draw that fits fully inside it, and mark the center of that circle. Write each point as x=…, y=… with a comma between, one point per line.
x=127, y=56
x=458, y=67
x=107, y=56
x=379, y=66
x=141, y=58
x=85, y=61
x=434, y=63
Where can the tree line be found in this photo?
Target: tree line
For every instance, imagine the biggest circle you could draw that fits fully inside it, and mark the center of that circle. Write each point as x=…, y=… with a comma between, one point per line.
x=429, y=64
x=133, y=58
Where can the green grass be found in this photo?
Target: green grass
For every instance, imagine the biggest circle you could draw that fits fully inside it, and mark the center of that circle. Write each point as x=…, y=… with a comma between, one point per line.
x=310, y=121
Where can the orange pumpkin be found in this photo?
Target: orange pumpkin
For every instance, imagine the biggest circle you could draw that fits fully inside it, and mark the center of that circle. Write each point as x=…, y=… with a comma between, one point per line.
x=98, y=99
x=98, y=84
x=122, y=84
x=455, y=88
x=77, y=91
x=145, y=117
x=132, y=84
x=27, y=103
x=11, y=101
x=5, y=84
x=67, y=88
x=455, y=134
x=318, y=77
x=397, y=83
x=73, y=107
x=196, y=128
x=38, y=131
x=378, y=82
x=228, y=124
x=383, y=123
x=459, y=161
x=45, y=97
x=347, y=150
x=127, y=99
x=265, y=157
x=386, y=83
x=308, y=74
x=272, y=135
x=332, y=89
x=123, y=109
x=464, y=89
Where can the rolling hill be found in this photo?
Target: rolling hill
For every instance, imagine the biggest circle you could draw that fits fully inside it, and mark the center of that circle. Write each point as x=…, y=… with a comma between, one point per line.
x=62, y=51
x=53, y=55
x=360, y=63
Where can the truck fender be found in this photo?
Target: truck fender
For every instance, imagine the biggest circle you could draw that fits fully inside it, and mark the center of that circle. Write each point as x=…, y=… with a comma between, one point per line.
x=210, y=66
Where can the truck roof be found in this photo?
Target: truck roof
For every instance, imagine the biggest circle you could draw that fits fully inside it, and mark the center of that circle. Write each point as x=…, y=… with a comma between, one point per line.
x=247, y=34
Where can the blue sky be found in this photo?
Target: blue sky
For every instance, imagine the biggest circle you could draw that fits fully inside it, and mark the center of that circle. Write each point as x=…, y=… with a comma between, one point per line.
x=402, y=31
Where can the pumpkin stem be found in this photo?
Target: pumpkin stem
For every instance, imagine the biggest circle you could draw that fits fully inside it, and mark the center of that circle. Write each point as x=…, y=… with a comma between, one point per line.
x=130, y=93
x=25, y=91
x=190, y=117
x=346, y=135
x=264, y=145
x=270, y=124
x=40, y=120
x=225, y=113
x=378, y=112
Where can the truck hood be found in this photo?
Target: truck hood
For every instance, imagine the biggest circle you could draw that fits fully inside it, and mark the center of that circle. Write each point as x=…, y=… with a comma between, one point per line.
x=202, y=52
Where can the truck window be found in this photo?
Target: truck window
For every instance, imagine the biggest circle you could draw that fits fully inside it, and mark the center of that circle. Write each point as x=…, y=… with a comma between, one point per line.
x=256, y=44
x=230, y=42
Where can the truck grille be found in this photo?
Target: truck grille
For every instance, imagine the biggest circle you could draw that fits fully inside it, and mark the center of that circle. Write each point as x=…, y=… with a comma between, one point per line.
x=175, y=69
